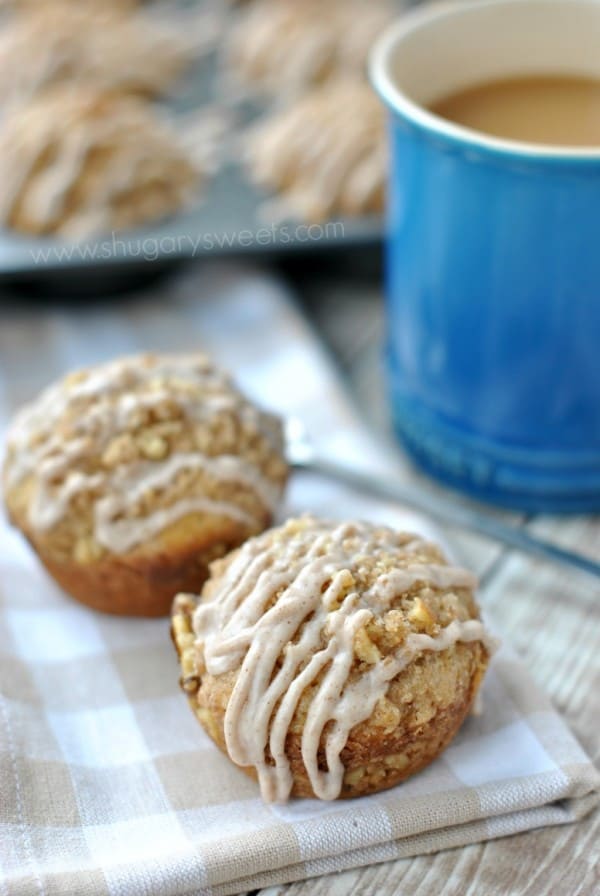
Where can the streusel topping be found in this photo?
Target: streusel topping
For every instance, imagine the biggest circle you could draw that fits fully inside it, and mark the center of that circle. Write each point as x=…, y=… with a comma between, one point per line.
x=122, y=450
x=77, y=162
x=333, y=610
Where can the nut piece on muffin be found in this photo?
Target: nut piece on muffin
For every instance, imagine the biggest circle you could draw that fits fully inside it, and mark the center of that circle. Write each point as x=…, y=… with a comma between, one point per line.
x=331, y=660
x=129, y=478
x=76, y=162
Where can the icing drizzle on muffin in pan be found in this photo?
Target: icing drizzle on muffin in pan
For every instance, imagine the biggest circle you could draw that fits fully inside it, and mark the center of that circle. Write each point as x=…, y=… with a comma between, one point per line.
x=286, y=614
x=79, y=161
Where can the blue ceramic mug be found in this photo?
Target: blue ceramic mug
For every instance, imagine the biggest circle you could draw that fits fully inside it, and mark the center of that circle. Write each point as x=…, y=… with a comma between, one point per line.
x=493, y=335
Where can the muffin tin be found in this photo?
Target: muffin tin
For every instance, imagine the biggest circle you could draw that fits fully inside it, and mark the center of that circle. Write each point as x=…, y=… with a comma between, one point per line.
x=230, y=217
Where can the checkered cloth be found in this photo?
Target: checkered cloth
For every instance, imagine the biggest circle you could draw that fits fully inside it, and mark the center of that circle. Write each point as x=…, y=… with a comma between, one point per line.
x=108, y=785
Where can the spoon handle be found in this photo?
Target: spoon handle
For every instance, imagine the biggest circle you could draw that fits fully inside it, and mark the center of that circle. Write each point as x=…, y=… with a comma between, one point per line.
x=453, y=514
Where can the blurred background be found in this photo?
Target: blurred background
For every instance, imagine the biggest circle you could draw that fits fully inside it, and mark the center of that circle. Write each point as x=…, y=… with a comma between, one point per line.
x=138, y=134
x=143, y=141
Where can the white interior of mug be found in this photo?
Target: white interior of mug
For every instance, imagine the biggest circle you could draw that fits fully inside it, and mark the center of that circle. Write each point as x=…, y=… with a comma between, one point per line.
x=443, y=48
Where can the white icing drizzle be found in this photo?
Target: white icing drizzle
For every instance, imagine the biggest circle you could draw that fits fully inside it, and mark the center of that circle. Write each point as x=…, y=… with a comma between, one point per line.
x=130, y=483
x=88, y=43
x=100, y=405
x=277, y=616
x=122, y=535
x=320, y=157
x=283, y=47
x=121, y=161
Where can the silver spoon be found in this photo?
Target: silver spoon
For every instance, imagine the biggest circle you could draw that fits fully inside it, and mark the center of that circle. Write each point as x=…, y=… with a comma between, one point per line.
x=303, y=456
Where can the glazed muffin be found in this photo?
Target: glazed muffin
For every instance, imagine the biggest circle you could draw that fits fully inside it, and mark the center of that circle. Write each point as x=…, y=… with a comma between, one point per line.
x=325, y=154
x=130, y=477
x=78, y=163
x=331, y=660
x=88, y=44
x=282, y=46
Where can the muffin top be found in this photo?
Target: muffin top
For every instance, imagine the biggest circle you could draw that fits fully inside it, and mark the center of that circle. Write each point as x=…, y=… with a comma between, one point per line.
x=285, y=46
x=326, y=152
x=88, y=43
x=322, y=616
x=77, y=162
x=109, y=457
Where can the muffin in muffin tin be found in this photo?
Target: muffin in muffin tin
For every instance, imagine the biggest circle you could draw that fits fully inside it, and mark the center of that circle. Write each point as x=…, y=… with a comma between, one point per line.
x=321, y=158
x=130, y=477
x=283, y=47
x=77, y=162
x=106, y=45
x=331, y=659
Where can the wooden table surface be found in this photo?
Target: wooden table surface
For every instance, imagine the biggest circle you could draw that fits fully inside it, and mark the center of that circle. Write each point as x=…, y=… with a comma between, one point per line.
x=551, y=618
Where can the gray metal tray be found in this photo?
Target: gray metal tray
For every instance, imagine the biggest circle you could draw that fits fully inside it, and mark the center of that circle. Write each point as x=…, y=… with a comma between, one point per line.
x=226, y=220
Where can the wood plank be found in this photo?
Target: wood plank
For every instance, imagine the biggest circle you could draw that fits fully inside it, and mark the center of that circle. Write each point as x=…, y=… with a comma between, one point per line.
x=539, y=863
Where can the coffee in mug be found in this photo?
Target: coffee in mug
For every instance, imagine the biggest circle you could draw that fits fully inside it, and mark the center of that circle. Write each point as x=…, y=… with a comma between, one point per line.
x=556, y=110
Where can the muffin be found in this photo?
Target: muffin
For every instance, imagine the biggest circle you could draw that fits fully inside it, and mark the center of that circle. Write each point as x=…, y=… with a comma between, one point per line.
x=130, y=477
x=325, y=154
x=77, y=163
x=283, y=46
x=331, y=660
x=88, y=44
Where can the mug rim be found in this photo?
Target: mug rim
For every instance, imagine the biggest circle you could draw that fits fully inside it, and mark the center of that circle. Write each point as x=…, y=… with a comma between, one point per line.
x=401, y=104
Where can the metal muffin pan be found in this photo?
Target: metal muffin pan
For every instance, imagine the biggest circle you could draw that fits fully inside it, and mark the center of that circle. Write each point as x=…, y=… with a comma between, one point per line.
x=228, y=218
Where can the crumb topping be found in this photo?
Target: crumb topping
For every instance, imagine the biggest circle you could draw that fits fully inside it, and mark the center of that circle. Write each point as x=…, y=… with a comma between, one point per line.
x=123, y=449
x=326, y=615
